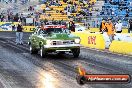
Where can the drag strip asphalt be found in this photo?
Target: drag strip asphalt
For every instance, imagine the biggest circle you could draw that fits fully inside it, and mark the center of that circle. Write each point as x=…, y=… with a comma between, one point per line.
x=20, y=69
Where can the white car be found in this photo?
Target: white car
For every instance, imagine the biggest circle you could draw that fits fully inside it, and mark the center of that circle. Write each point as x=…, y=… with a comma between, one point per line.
x=79, y=27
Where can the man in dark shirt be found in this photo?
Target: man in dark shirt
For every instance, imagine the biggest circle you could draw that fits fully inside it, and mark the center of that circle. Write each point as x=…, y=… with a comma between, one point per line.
x=71, y=25
x=130, y=26
x=19, y=34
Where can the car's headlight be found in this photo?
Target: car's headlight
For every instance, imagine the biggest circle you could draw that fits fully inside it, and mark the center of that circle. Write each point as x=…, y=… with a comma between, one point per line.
x=77, y=41
x=48, y=42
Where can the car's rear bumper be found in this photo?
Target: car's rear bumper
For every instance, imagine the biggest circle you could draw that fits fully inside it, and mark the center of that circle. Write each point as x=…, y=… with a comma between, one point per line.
x=62, y=46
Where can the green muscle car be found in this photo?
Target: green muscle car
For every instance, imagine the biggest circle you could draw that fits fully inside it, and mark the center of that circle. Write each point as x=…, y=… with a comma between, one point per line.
x=54, y=38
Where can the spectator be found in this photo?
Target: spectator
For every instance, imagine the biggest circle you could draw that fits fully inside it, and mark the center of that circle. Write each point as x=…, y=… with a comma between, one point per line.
x=2, y=18
x=42, y=26
x=130, y=26
x=45, y=21
x=110, y=29
x=118, y=27
x=93, y=23
x=16, y=18
x=65, y=1
x=71, y=25
x=19, y=34
x=9, y=18
x=88, y=25
x=127, y=15
x=53, y=21
x=113, y=13
x=47, y=8
x=13, y=27
x=36, y=22
x=97, y=24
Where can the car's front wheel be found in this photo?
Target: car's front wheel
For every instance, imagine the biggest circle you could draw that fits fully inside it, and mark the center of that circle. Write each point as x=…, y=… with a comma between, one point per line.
x=32, y=50
x=42, y=52
x=76, y=52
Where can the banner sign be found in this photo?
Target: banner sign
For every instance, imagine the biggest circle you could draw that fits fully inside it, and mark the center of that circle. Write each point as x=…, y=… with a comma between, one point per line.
x=83, y=77
x=92, y=40
x=28, y=28
x=7, y=26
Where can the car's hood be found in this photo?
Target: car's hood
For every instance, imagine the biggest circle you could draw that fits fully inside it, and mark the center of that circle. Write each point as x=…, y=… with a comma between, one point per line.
x=62, y=36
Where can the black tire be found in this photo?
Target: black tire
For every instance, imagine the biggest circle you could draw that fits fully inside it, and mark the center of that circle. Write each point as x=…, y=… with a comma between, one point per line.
x=42, y=52
x=76, y=52
x=32, y=50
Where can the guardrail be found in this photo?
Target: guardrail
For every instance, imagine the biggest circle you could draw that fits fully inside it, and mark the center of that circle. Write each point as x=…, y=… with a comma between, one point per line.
x=7, y=26
x=121, y=47
x=92, y=40
x=122, y=43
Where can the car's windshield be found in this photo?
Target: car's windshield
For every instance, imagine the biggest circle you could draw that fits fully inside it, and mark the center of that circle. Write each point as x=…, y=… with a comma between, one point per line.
x=55, y=30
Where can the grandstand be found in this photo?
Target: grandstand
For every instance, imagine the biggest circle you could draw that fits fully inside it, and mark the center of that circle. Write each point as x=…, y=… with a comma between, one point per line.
x=114, y=8
x=62, y=12
x=117, y=9
x=88, y=12
x=16, y=5
x=83, y=11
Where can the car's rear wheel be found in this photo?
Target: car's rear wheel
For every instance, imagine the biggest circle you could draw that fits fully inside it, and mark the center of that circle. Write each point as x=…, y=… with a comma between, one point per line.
x=76, y=52
x=42, y=52
x=32, y=50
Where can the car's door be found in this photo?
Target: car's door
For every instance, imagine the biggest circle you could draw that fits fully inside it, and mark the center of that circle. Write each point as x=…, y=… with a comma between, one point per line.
x=35, y=38
x=40, y=37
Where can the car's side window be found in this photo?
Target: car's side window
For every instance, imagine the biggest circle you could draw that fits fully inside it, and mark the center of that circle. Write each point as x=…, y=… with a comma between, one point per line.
x=38, y=33
x=67, y=31
x=41, y=32
x=36, y=30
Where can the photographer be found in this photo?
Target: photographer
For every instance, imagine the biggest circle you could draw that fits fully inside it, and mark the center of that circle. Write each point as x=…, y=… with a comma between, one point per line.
x=71, y=25
x=130, y=26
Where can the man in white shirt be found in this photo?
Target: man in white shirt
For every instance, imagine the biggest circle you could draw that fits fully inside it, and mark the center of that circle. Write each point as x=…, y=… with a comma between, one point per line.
x=118, y=27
